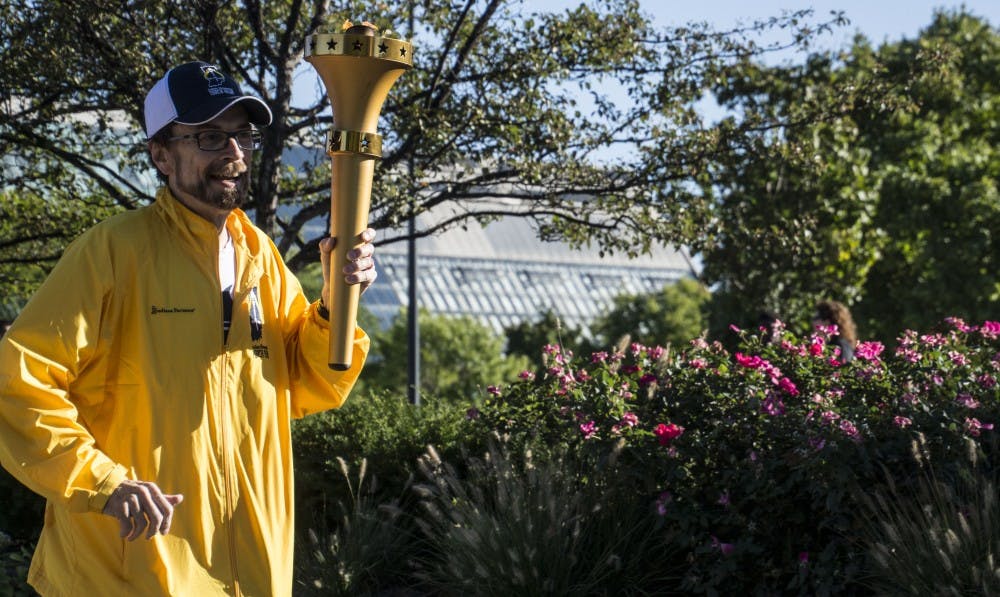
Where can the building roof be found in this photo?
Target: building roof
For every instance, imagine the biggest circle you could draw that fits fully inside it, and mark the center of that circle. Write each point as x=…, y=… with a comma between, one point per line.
x=502, y=274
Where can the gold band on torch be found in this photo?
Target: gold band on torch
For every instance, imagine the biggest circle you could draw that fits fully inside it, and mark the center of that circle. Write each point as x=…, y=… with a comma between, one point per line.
x=358, y=67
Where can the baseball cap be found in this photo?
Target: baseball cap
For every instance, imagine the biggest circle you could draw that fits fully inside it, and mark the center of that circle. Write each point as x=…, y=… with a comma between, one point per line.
x=195, y=93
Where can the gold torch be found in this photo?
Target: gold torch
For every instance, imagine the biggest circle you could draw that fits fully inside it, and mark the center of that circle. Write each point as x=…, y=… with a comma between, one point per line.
x=358, y=67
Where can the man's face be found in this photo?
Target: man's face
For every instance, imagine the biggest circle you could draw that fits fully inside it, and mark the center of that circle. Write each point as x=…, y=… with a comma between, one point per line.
x=210, y=181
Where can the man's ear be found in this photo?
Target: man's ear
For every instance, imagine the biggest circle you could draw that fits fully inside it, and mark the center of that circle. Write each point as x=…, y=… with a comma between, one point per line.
x=160, y=155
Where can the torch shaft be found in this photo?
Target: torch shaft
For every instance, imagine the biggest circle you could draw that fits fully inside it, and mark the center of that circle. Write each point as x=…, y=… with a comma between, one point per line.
x=350, y=198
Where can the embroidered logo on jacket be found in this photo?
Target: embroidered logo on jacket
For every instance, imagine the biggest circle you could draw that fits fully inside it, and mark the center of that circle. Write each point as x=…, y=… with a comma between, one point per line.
x=156, y=310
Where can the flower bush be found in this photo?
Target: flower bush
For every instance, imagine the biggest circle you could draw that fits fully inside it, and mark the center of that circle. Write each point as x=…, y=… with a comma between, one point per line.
x=755, y=459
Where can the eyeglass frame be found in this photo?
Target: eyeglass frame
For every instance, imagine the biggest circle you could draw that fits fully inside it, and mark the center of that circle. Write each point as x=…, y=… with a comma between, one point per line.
x=255, y=138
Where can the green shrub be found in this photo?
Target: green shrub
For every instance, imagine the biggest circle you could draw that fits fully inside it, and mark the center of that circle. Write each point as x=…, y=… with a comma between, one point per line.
x=939, y=535
x=360, y=555
x=753, y=458
x=381, y=429
x=510, y=526
x=24, y=510
x=15, y=557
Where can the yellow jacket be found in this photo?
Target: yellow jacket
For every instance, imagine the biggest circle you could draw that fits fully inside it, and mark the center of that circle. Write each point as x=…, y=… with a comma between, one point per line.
x=117, y=368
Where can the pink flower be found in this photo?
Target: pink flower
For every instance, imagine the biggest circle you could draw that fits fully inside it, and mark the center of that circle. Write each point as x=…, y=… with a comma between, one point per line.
x=973, y=426
x=957, y=358
x=734, y=328
x=662, y=501
x=829, y=416
x=816, y=346
x=725, y=548
x=598, y=357
x=788, y=386
x=656, y=352
x=667, y=433
x=986, y=381
x=582, y=375
x=628, y=369
x=495, y=391
x=773, y=405
x=869, y=351
x=750, y=362
x=698, y=363
x=529, y=375
x=908, y=354
x=967, y=400
x=630, y=420
x=647, y=379
x=958, y=324
x=472, y=414
x=933, y=339
x=849, y=429
x=588, y=429
x=901, y=422
x=990, y=329
x=828, y=330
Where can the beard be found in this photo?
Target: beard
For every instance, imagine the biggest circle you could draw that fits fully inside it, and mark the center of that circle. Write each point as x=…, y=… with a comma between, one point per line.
x=221, y=198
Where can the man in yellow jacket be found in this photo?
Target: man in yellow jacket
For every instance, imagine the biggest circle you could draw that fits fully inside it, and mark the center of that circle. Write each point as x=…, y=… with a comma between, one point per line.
x=147, y=389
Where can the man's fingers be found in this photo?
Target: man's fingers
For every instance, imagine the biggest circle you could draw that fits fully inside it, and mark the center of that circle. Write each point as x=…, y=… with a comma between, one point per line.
x=124, y=520
x=141, y=507
x=161, y=516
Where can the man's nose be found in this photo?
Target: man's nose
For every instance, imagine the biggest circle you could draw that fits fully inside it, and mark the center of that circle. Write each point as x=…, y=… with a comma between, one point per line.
x=233, y=148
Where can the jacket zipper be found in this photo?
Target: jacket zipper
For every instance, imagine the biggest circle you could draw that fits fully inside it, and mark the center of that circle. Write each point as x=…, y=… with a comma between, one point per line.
x=225, y=412
x=227, y=467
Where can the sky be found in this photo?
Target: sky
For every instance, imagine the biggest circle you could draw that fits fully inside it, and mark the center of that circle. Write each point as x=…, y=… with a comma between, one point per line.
x=878, y=20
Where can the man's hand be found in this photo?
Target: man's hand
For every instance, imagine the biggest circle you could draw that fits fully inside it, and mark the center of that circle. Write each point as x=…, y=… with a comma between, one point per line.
x=140, y=507
x=360, y=267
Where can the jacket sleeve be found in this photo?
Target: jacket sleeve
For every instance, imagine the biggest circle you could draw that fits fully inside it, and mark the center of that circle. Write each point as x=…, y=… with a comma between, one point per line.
x=314, y=385
x=43, y=442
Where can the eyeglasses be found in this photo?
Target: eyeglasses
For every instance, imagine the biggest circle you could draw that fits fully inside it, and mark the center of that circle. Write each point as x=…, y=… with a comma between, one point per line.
x=249, y=139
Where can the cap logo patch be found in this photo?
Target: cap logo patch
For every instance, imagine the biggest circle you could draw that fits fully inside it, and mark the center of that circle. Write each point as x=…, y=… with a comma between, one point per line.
x=216, y=81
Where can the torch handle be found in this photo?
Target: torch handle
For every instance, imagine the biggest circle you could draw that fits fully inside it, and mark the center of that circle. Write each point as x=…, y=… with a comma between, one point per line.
x=350, y=199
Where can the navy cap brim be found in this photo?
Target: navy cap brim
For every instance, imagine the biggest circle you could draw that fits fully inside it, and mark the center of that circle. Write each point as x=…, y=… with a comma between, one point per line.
x=257, y=111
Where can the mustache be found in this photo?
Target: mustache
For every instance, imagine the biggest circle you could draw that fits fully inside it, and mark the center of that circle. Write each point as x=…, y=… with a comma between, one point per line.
x=231, y=171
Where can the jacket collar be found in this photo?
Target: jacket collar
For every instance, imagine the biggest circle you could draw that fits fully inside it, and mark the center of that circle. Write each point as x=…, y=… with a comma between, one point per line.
x=202, y=236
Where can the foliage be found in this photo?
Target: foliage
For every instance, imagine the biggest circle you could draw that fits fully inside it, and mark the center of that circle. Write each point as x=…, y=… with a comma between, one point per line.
x=670, y=317
x=938, y=536
x=361, y=555
x=510, y=526
x=23, y=511
x=459, y=358
x=524, y=338
x=887, y=203
x=591, y=103
x=15, y=556
x=751, y=457
x=379, y=428
x=34, y=232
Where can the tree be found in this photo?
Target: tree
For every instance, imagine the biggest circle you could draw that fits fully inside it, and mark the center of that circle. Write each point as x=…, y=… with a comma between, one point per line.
x=582, y=121
x=460, y=358
x=888, y=202
x=671, y=317
x=529, y=338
